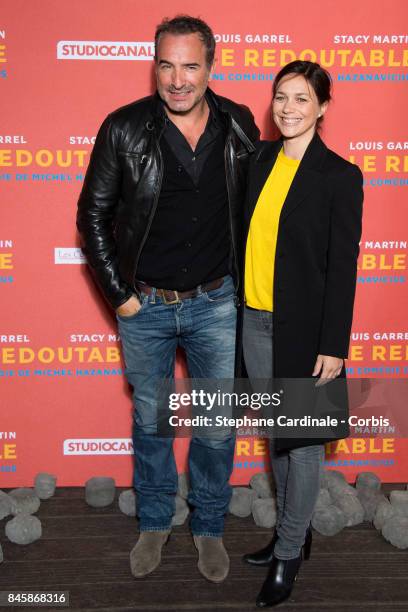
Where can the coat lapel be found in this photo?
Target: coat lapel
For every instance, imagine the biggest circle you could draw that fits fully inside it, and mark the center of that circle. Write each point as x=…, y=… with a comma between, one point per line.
x=306, y=178
x=263, y=164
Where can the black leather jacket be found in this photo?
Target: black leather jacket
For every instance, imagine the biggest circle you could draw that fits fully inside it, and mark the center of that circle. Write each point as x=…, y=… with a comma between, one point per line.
x=123, y=181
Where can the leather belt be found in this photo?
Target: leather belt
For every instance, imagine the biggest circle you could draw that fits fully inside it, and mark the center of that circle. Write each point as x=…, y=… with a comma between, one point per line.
x=170, y=296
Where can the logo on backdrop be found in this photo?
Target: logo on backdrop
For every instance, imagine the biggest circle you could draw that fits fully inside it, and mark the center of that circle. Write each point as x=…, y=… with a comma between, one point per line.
x=104, y=50
x=382, y=262
x=83, y=355
x=378, y=353
x=28, y=163
x=354, y=451
x=385, y=164
x=6, y=262
x=69, y=255
x=98, y=446
x=250, y=453
x=359, y=452
x=8, y=451
x=366, y=55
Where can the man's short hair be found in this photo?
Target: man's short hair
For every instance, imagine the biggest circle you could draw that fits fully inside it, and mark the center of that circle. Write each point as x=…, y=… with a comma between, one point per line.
x=184, y=24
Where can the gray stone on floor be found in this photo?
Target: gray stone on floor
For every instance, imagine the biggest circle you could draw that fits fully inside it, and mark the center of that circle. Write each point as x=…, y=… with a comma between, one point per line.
x=5, y=505
x=264, y=512
x=324, y=499
x=241, y=501
x=395, y=531
x=383, y=512
x=263, y=485
x=183, y=485
x=369, y=480
x=369, y=498
x=352, y=509
x=44, y=485
x=24, y=500
x=182, y=512
x=100, y=491
x=329, y=521
x=399, y=502
x=338, y=491
x=127, y=502
x=23, y=529
x=335, y=479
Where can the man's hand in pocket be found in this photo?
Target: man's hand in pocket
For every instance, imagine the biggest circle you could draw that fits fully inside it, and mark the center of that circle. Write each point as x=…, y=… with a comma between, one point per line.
x=129, y=308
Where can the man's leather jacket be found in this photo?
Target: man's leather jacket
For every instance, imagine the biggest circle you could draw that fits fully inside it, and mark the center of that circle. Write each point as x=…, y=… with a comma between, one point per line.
x=122, y=187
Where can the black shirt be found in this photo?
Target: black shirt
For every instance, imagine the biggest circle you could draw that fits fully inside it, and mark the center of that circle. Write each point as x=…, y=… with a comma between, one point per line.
x=193, y=161
x=189, y=238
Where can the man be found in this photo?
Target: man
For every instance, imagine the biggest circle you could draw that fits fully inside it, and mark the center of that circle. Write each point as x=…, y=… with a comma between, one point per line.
x=160, y=217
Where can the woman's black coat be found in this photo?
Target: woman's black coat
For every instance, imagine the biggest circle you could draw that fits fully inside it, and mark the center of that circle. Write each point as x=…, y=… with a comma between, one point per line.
x=315, y=261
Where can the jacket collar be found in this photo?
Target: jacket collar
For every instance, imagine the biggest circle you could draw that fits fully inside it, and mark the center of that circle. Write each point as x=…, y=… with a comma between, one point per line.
x=312, y=158
x=221, y=108
x=306, y=177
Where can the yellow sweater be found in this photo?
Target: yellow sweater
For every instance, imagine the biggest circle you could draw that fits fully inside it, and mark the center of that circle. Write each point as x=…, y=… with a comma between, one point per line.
x=263, y=233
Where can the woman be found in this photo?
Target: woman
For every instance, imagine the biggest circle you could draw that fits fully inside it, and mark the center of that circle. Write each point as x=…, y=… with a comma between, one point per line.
x=304, y=210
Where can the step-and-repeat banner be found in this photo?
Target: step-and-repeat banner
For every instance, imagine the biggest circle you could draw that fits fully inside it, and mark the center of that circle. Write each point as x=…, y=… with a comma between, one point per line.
x=64, y=65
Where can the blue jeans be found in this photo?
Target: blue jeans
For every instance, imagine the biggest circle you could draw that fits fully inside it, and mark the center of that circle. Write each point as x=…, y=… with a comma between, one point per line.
x=296, y=471
x=204, y=326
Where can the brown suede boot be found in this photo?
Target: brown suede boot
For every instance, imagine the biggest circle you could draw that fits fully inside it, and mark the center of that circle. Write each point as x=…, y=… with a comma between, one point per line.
x=213, y=560
x=145, y=556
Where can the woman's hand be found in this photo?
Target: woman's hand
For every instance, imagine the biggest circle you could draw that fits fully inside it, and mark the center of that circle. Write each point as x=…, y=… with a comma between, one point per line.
x=328, y=367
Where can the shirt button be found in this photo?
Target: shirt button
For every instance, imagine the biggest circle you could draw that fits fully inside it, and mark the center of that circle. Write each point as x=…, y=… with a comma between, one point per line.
x=197, y=191
x=194, y=219
x=184, y=269
x=193, y=159
x=188, y=244
x=179, y=168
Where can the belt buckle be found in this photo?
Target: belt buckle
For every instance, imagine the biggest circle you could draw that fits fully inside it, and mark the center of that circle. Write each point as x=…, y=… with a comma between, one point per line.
x=169, y=302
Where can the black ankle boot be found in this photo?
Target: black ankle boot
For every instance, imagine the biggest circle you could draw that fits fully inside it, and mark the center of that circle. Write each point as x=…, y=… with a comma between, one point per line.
x=279, y=581
x=263, y=557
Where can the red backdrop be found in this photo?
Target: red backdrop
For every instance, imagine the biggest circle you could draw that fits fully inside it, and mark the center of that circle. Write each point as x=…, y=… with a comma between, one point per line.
x=63, y=66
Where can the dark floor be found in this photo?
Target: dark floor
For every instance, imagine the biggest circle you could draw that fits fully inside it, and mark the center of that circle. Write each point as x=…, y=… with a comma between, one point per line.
x=85, y=551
